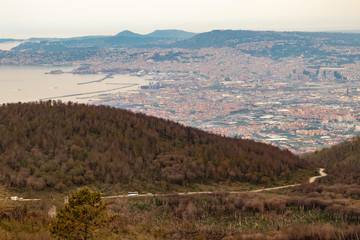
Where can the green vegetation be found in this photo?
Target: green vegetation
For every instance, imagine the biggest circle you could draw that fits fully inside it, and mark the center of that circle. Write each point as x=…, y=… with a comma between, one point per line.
x=52, y=145
x=81, y=217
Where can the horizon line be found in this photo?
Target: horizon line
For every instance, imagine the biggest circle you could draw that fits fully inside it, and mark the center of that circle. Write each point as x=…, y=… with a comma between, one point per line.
x=144, y=34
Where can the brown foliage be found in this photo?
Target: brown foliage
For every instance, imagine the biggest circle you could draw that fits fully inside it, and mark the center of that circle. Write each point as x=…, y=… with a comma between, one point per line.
x=341, y=161
x=304, y=232
x=56, y=145
x=323, y=232
x=330, y=191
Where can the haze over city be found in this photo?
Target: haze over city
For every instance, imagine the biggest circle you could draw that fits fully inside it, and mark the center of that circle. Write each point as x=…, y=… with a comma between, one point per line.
x=41, y=18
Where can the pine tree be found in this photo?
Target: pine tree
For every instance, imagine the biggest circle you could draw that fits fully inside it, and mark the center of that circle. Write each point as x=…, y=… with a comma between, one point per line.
x=81, y=217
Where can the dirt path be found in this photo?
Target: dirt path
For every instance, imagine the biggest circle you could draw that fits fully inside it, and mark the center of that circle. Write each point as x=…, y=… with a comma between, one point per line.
x=311, y=180
x=322, y=174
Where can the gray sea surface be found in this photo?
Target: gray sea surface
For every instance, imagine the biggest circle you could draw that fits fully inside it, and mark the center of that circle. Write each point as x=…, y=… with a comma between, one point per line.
x=31, y=83
x=9, y=45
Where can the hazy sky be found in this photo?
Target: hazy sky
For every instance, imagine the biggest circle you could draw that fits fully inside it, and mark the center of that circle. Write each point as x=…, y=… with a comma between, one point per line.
x=61, y=18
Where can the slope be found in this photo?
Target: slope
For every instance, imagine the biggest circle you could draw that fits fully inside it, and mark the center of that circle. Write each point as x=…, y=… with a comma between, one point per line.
x=342, y=161
x=56, y=145
x=125, y=39
x=231, y=38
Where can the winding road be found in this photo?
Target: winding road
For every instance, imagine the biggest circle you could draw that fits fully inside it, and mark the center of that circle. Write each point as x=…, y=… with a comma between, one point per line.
x=322, y=174
x=311, y=180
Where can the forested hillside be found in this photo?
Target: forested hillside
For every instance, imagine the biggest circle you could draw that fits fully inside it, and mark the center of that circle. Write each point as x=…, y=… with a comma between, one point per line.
x=342, y=161
x=56, y=145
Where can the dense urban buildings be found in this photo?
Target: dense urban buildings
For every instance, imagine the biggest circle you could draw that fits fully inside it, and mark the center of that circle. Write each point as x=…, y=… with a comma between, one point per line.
x=298, y=102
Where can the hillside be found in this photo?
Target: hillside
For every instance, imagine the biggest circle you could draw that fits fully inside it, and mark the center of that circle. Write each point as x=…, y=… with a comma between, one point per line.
x=56, y=145
x=276, y=45
x=342, y=161
x=123, y=39
x=171, y=34
x=4, y=40
x=317, y=46
x=231, y=38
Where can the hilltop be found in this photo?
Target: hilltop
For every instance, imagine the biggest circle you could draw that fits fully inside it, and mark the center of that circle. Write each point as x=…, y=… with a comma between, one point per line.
x=62, y=146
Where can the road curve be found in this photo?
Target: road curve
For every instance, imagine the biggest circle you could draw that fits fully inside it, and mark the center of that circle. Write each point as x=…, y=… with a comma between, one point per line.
x=322, y=174
x=311, y=180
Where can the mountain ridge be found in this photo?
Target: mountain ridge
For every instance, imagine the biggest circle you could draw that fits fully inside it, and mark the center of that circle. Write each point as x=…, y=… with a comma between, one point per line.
x=275, y=45
x=125, y=38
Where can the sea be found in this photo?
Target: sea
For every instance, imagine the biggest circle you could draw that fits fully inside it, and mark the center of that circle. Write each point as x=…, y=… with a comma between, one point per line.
x=9, y=45
x=34, y=83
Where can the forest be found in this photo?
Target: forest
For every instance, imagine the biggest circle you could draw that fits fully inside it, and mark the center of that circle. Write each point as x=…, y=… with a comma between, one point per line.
x=53, y=145
x=51, y=149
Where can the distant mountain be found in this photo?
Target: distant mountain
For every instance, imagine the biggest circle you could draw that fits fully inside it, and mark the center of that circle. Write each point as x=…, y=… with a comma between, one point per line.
x=56, y=145
x=171, y=34
x=231, y=38
x=128, y=33
x=3, y=40
x=156, y=38
x=276, y=45
x=221, y=38
x=123, y=39
x=128, y=39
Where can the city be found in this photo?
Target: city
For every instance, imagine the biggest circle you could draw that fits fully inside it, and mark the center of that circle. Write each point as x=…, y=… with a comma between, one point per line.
x=260, y=99
x=298, y=103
